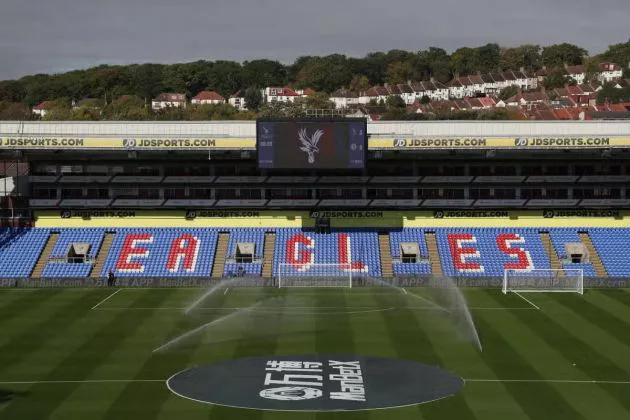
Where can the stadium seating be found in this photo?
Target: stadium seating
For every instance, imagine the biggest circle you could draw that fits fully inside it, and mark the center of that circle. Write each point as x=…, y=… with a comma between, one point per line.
x=177, y=252
x=160, y=244
x=19, y=250
x=612, y=247
x=316, y=248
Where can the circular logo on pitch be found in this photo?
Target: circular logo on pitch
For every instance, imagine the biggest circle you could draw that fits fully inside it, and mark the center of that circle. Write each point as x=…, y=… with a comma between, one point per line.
x=191, y=214
x=548, y=214
x=291, y=393
x=66, y=214
x=439, y=214
x=315, y=382
x=129, y=143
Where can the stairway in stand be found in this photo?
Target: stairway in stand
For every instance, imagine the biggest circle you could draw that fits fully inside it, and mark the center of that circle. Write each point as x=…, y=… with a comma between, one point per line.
x=45, y=255
x=385, y=254
x=593, y=255
x=101, y=257
x=554, y=261
x=220, y=254
x=269, y=250
x=434, y=254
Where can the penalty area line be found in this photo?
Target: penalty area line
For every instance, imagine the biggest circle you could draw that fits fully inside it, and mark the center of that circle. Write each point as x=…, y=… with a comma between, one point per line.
x=527, y=300
x=105, y=300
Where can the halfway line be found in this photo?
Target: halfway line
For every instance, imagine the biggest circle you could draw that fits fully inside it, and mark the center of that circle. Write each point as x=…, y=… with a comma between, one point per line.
x=559, y=381
x=104, y=381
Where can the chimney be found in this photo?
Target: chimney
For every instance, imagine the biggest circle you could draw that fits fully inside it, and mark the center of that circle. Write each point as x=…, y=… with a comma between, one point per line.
x=566, y=66
x=386, y=85
x=409, y=82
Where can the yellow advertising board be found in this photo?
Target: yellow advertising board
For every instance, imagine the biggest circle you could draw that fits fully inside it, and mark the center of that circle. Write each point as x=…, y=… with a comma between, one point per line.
x=240, y=143
x=129, y=143
x=225, y=218
x=446, y=143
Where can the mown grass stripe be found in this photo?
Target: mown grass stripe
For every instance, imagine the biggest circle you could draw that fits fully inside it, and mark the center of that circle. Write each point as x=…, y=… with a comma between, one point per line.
x=333, y=335
x=255, y=345
x=587, y=359
x=79, y=364
x=27, y=299
x=539, y=400
x=410, y=341
x=160, y=365
x=50, y=324
x=590, y=312
x=620, y=296
x=596, y=364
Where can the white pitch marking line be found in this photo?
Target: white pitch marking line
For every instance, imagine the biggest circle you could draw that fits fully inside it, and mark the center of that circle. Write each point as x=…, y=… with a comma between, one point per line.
x=289, y=308
x=527, y=300
x=105, y=381
x=105, y=300
x=405, y=291
x=226, y=290
x=87, y=381
x=558, y=381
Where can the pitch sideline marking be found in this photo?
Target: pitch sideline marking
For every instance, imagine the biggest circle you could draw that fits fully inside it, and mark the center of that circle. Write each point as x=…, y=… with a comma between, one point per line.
x=297, y=308
x=105, y=300
x=226, y=290
x=527, y=300
x=472, y=380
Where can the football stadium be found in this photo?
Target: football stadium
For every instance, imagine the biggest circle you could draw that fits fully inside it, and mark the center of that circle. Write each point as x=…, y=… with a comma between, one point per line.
x=315, y=269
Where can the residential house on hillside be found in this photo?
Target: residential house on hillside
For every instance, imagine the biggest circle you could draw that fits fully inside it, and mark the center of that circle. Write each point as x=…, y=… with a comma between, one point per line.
x=376, y=93
x=610, y=72
x=279, y=94
x=41, y=109
x=577, y=73
x=407, y=93
x=208, y=98
x=305, y=92
x=237, y=100
x=433, y=89
x=343, y=98
x=169, y=100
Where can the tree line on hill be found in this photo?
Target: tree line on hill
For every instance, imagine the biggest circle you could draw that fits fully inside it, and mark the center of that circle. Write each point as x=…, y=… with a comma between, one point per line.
x=125, y=91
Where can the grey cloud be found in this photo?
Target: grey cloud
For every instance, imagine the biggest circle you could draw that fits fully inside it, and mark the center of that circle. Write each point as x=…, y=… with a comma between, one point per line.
x=57, y=35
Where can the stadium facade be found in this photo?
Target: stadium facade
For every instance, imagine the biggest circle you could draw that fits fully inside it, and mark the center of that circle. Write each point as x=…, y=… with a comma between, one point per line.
x=425, y=198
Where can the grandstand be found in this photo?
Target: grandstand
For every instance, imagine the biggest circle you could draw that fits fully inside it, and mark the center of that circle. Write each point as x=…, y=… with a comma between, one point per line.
x=197, y=220
x=462, y=199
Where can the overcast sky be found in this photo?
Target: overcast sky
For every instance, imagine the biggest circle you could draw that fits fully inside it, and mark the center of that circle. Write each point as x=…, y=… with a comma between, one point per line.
x=57, y=35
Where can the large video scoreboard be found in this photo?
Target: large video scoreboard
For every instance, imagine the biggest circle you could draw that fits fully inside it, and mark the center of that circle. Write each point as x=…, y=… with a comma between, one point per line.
x=311, y=143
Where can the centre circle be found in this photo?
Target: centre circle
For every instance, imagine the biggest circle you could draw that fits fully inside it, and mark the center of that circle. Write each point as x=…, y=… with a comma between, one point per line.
x=317, y=382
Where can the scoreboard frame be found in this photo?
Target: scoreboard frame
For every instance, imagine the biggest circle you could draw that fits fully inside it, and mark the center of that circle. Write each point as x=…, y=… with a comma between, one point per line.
x=326, y=120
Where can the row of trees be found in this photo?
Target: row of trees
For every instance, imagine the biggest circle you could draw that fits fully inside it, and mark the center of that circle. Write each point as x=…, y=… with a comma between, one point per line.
x=324, y=74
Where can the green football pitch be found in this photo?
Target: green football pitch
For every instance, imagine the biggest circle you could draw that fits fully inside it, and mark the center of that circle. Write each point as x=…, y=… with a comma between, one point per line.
x=89, y=353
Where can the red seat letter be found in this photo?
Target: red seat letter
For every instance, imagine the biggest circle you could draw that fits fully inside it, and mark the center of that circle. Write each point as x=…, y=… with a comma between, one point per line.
x=460, y=254
x=130, y=251
x=504, y=242
x=185, y=248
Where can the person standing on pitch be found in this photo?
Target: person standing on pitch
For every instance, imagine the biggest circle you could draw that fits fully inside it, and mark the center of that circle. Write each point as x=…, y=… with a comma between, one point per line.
x=111, y=280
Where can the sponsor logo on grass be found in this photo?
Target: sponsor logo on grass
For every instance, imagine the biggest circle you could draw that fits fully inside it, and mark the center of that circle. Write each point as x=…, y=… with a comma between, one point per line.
x=315, y=382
